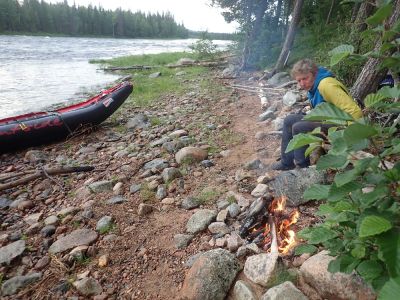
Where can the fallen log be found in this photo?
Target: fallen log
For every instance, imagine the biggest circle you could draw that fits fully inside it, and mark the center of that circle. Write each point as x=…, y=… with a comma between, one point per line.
x=45, y=173
x=136, y=67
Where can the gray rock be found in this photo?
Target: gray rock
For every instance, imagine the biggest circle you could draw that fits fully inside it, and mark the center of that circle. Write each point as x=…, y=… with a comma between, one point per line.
x=4, y=202
x=104, y=223
x=192, y=259
x=33, y=218
x=160, y=142
x=186, y=61
x=36, y=156
x=155, y=75
x=279, y=78
x=222, y=215
x=161, y=192
x=200, y=220
x=158, y=164
x=211, y=276
x=230, y=71
x=51, y=220
x=241, y=174
x=233, y=242
x=169, y=174
x=329, y=285
x=11, y=251
x=219, y=228
x=190, y=203
x=182, y=240
x=268, y=114
x=293, y=183
x=253, y=165
x=48, y=230
x=144, y=209
x=285, y=290
x=100, y=186
x=243, y=291
x=134, y=188
x=260, y=268
x=190, y=155
x=173, y=147
x=234, y=210
x=88, y=286
x=116, y=200
x=139, y=121
x=260, y=190
x=11, y=286
x=222, y=204
x=207, y=163
x=78, y=237
x=278, y=124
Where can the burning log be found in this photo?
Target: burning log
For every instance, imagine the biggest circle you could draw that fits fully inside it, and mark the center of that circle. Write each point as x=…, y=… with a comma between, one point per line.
x=269, y=226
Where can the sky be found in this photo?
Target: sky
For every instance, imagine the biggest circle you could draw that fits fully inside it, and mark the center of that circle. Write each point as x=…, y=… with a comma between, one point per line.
x=195, y=14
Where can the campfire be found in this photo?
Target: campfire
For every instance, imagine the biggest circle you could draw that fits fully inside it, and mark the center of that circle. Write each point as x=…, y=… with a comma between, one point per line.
x=269, y=223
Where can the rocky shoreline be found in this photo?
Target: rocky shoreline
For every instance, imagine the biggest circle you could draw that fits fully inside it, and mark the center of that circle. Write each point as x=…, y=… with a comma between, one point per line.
x=158, y=217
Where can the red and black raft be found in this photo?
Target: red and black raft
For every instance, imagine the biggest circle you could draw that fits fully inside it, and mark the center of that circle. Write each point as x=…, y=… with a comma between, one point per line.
x=38, y=128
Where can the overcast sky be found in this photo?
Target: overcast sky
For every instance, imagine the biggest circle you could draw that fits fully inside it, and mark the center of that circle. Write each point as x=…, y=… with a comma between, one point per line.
x=195, y=14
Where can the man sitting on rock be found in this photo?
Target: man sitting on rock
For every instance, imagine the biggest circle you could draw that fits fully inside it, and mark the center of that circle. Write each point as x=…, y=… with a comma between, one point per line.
x=322, y=87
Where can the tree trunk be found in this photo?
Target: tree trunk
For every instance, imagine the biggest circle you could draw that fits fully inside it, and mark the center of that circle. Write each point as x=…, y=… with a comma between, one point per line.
x=354, y=13
x=254, y=33
x=289, y=37
x=370, y=76
x=359, y=25
x=278, y=14
x=328, y=18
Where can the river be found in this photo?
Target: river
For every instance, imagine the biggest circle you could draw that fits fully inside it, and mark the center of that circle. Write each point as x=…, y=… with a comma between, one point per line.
x=38, y=72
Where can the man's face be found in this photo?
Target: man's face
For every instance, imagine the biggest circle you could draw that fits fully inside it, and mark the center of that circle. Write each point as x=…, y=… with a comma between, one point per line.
x=305, y=81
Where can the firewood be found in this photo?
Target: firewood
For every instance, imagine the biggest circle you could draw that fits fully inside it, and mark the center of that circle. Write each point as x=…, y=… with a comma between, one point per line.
x=45, y=173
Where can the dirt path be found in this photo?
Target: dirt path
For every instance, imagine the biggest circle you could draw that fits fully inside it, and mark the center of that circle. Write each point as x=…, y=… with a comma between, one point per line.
x=142, y=259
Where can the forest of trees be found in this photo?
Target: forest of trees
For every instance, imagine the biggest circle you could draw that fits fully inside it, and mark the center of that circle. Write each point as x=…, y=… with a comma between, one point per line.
x=32, y=16
x=275, y=33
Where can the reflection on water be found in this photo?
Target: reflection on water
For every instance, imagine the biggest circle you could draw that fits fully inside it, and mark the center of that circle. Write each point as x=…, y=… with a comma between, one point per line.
x=37, y=72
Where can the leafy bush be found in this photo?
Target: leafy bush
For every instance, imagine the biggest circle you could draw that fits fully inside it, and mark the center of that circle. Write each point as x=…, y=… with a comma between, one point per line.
x=362, y=208
x=204, y=48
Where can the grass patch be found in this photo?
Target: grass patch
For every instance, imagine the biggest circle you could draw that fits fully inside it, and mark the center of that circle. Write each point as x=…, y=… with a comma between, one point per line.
x=208, y=195
x=146, y=194
x=282, y=275
x=148, y=90
x=109, y=228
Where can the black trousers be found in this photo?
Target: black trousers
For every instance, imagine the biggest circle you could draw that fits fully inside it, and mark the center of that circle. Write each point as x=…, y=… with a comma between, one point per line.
x=292, y=125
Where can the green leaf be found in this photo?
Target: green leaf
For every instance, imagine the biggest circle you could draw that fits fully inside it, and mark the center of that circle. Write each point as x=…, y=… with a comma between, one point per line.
x=305, y=233
x=338, y=193
x=317, y=192
x=300, y=140
x=330, y=161
x=369, y=269
x=304, y=248
x=357, y=132
x=327, y=111
x=373, y=225
x=391, y=289
x=311, y=148
x=389, y=92
x=373, y=99
x=358, y=251
x=320, y=235
x=380, y=15
x=377, y=194
x=343, y=263
x=389, y=250
x=338, y=57
x=345, y=177
x=342, y=49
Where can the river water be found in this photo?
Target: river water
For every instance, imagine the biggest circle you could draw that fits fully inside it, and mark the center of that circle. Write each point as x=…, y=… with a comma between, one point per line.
x=38, y=72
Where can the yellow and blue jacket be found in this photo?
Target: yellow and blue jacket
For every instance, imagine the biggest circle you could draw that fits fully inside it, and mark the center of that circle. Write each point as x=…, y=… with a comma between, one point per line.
x=326, y=88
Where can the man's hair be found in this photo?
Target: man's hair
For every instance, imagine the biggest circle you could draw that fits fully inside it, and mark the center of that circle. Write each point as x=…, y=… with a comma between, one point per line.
x=304, y=66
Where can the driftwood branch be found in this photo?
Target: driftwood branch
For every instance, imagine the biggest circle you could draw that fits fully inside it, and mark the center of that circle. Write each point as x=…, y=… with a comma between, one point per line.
x=136, y=67
x=274, y=239
x=44, y=174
